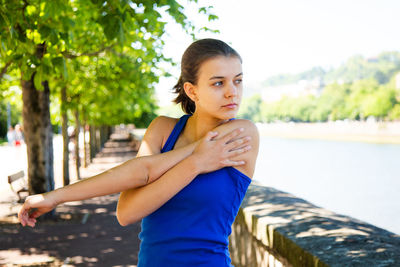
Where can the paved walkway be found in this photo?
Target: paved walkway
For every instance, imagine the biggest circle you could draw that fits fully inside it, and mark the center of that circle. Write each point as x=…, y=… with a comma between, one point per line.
x=85, y=233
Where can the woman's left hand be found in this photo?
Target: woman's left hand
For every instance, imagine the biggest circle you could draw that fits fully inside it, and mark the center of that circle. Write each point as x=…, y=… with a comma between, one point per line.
x=213, y=154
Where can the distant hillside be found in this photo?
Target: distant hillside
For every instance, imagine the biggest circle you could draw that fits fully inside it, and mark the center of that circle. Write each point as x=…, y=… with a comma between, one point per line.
x=381, y=68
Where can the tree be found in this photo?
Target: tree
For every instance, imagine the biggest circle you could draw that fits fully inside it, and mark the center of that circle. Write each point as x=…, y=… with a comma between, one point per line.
x=42, y=41
x=9, y=103
x=359, y=90
x=251, y=108
x=331, y=104
x=379, y=103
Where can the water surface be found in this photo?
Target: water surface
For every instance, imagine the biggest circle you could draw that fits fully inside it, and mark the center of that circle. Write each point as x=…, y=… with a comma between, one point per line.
x=361, y=180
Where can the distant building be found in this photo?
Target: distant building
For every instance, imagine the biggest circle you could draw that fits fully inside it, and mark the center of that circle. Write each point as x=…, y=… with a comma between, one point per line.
x=301, y=88
x=373, y=59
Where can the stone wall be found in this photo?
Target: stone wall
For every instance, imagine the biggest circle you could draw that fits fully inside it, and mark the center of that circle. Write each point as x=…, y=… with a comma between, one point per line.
x=274, y=228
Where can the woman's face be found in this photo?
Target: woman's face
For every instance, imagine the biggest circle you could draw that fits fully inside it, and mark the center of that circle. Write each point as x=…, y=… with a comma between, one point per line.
x=218, y=91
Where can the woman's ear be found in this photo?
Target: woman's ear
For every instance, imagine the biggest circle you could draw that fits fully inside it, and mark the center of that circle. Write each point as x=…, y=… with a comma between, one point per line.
x=190, y=91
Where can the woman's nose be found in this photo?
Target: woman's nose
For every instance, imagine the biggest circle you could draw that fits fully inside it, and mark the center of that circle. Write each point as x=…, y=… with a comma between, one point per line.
x=231, y=90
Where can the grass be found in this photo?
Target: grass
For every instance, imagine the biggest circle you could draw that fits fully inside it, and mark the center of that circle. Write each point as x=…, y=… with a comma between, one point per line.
x=3, y=141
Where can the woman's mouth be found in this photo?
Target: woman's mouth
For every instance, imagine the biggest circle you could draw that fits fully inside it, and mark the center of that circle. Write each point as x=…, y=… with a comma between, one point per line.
x=230, y=106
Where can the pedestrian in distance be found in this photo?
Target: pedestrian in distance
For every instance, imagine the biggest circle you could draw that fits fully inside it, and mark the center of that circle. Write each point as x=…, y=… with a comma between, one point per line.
x=11, y=136
x=19, y=135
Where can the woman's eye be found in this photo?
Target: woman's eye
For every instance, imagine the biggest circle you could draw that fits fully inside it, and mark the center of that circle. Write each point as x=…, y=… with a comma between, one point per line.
x=218, y=83
x=238, y=81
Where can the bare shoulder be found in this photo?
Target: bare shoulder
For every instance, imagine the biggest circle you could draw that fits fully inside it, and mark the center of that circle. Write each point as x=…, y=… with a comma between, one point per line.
x=156, y=135
x=250, y=129
x=163, y=123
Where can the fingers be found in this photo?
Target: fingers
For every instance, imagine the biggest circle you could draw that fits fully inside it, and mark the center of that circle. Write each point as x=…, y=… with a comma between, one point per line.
x=23, y=214
x=238, y=143
x=228, y=137
x=231, y=163
x=27, y=215
x=238, y=151
x=211, y=135
x=29, y=219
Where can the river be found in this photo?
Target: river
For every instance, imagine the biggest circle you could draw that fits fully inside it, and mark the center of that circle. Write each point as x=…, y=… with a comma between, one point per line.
x=361, y=180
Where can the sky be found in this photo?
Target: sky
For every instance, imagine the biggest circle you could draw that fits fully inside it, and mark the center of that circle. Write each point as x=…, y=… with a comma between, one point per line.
x=289, y=36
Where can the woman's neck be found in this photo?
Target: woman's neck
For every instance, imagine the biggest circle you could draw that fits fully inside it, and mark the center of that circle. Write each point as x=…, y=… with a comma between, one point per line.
x=199, y=124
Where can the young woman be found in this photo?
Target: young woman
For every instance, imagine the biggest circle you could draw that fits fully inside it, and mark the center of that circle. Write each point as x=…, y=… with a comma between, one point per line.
x=187, y=222
x=141, y=171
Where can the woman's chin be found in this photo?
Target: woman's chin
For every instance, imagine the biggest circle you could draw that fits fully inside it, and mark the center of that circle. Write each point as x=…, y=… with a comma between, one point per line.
x=228, y=115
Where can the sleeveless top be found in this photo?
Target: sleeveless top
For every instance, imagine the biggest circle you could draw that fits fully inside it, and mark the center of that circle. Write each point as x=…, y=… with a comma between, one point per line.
x=192, y=228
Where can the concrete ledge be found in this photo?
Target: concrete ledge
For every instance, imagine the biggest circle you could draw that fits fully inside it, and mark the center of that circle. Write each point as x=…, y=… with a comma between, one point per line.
x=274, y=228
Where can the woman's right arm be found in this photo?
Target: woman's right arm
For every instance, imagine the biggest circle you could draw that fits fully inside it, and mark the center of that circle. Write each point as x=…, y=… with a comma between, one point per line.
x=209, y=155
x=134, y=204
x=131, y=174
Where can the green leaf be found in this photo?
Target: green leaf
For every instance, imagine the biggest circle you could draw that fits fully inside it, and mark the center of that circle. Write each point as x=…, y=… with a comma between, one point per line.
x=111, y=26
x=97, y=2
x=64, y=36
x=67, y=22
x=57, y=62
x=212, y=17
x=17, y=57
x=26, y=72
x=203, y=10
x=37, y=80
x=53, y=37
x=121, y=35
x=60, y=65
x=45, y=31
x=48, y=10
x=47, y=66
x=3, y=15
x=2, y=21
x=13, y=32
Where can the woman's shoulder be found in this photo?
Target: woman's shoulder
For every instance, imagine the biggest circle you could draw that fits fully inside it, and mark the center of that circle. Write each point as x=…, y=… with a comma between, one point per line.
x=245, y=123
x=157, y=134
x=162, y=126
x=250, y=129
x=163, y=122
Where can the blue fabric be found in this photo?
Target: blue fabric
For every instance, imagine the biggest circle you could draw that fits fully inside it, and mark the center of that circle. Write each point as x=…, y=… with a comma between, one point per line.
x=192, y=228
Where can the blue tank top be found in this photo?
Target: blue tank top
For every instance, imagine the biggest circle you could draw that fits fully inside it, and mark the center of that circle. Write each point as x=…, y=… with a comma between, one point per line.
x=193, y=227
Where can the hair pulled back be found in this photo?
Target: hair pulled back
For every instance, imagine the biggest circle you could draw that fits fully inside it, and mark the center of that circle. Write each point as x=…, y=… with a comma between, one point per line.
x=192, y=58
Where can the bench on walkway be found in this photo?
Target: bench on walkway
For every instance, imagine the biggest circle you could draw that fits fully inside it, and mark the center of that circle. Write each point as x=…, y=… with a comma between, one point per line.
x=18, y=184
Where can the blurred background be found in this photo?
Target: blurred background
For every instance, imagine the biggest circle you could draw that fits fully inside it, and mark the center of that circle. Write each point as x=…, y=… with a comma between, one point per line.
x=322, y=82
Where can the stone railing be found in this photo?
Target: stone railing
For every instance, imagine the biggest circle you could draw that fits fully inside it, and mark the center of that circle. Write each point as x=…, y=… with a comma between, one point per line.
x=274, y=228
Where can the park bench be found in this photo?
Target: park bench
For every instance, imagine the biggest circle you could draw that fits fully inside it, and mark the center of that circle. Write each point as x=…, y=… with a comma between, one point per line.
x=18, y=184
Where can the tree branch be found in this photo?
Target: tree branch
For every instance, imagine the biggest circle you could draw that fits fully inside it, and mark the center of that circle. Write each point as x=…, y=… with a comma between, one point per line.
x=4, y=70
x=90, y=54
x=26, y=4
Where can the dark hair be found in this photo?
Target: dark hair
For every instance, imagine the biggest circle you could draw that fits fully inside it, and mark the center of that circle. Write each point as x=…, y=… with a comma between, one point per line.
x=192, y=58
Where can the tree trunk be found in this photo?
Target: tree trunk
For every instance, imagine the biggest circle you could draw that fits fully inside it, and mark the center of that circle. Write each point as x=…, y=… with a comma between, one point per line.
x=77, y=158
x=92, y=142
x=98, y=139
x=64, y=119
x=85, y=146
x=38, y=136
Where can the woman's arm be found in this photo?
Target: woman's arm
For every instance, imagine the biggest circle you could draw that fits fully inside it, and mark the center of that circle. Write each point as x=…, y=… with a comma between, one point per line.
x=133, y=173
x=208, y=156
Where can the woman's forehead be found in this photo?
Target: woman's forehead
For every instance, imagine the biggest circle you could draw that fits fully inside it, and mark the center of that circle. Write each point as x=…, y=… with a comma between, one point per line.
x=221, y=67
